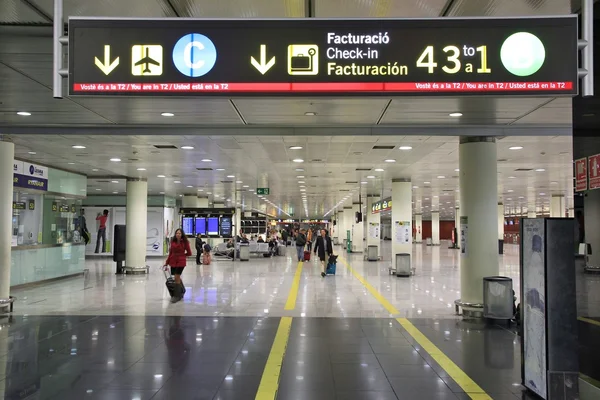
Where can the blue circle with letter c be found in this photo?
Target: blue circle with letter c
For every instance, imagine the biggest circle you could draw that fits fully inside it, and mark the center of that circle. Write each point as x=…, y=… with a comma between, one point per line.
x=194, y=55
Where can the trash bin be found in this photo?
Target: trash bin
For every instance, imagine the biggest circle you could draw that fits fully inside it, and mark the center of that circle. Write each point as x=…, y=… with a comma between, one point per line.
x=244, y=252
x=372, y=253
x=403, y=264
x=498, y=297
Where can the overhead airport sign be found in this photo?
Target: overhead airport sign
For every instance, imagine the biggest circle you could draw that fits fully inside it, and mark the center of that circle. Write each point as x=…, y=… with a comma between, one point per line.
x=520, y=56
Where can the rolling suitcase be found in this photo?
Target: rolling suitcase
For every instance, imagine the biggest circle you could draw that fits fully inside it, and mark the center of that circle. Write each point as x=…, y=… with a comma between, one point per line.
x=169, y=283
x=331, y=265
x=307, y=256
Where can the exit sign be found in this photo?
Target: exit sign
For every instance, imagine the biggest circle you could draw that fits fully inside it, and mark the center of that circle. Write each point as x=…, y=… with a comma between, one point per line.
x=263, y=191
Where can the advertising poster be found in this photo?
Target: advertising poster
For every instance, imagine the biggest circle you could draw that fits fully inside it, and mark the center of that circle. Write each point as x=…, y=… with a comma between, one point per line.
x=374, y=230
x=154, y=245
x=533, y=306
x=464, y=236
x=403, y=232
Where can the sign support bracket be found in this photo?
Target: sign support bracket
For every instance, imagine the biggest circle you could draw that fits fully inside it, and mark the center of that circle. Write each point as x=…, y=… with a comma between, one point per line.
x=59, y=40
x=586, y=45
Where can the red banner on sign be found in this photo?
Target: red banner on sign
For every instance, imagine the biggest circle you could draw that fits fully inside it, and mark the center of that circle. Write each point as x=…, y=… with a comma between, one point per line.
x=581, y=175
x=321, y=87
x=594, y=171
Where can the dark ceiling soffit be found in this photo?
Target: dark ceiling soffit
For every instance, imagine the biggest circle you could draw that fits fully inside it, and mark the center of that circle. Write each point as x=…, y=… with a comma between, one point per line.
x=269, y=130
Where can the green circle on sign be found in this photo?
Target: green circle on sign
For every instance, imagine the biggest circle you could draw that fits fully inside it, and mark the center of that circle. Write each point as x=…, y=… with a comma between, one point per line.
x=522, y=54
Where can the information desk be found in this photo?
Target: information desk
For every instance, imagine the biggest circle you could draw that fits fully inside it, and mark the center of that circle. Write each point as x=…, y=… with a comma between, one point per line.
x=36, y=263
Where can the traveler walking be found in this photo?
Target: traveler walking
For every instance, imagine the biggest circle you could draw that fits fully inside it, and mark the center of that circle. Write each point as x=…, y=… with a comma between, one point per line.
x=177, y=260
x=101, y=231
x=324, y=249
x=300, y=243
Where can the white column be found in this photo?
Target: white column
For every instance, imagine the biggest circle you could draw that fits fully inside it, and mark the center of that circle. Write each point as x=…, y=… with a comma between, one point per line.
x=418, y=228
x=401, y=213
x=479, y=208
x=7, y=156
x=373, y=219
x=190, y=201
x=435, y=228
x=358, y=231
x=348, y=222
x=136, y=220
x=557, y=206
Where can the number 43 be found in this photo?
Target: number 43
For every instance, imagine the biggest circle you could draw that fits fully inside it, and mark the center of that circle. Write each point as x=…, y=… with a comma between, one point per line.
x=426, y=60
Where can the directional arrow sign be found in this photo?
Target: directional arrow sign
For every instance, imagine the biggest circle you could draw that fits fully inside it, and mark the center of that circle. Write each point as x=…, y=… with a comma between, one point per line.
x=106, y=66
x=263, y=66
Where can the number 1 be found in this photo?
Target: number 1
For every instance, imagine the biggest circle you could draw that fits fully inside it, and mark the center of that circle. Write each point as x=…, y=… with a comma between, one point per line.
x=484, y=68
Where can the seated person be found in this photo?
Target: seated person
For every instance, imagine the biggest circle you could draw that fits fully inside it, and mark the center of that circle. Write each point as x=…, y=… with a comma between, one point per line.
x=260, y=240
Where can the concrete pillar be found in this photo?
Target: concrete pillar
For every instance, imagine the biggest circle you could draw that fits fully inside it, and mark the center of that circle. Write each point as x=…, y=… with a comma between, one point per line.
x=348, y=222
x=557, y=206
x=374, y=224
x=418, y=228
x=500, y=228
x=591, y=216
x=191, y=201
x=136, y=220
x=7, y=156
x=435, y=228
x=401, y=216
x=479, y=208
x=358, y=232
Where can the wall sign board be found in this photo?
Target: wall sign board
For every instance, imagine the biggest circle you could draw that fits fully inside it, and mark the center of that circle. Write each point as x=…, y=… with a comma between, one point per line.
x=212, y=57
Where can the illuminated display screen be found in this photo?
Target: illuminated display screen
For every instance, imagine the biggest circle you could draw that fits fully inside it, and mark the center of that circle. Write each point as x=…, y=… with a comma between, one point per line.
x=225, y=226
x=187, y=225
x=200, y=226
x=317, y=56
x=213, y=226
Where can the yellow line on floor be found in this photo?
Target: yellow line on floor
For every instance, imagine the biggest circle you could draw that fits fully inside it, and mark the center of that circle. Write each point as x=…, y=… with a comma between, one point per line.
x=589, y=321
x=473, y=390
x=290, y=304
x=269, y=383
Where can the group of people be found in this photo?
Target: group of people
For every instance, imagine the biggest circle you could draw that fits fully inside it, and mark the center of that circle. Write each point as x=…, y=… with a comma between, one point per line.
x=323, y=247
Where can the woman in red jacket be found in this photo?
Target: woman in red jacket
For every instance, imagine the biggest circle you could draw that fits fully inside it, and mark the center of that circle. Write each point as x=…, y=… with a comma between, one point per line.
x=177, y=260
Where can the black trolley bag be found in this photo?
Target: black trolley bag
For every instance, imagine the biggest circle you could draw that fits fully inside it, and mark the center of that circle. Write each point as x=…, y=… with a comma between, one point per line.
x=169, y=283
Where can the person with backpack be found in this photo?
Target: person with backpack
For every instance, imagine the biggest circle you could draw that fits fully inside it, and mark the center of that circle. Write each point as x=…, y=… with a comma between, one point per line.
x=199, y=249
x=177, y=260
x=300, y=243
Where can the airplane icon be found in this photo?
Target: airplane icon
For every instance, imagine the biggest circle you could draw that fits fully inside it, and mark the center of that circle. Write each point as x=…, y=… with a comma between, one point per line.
x=146, y=60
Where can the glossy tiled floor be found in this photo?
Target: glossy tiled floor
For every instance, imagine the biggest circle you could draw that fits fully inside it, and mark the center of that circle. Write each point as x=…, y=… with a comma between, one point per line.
x=112, y=337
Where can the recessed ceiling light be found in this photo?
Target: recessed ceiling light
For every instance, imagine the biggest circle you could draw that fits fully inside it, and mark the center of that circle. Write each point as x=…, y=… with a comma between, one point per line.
x=427, y=183
x=176, y=181
x=190, y=186
x=379, y=170
x=209, y=192
x=457, y=170
x=78, y=146
x=187, y=147
x=516, y=148
x=114, y=181
x=251, y=190
x=71, y=163
x=512, y=177
x=206, y=160
x=167, y=114
x=115, y=159
x=220, y=169
x=455, y=114
x=302, y=186
x=510, y=191
x=415, y=187
x=390, y=160
x=364, y=182
x=95, y=169
x=554, y=183
x=239, y=182
x=303, y=190
x=31, y=152
x=370, y=177
x=245, y=186
x=160, y=176
x=441, y=177
x=98, y=190
x=231, y=176
x=301, y=182
x=540, y=170
x=298, y=160
x=161, y=192
x=542, y=194
x=310, y=113
x=300, y=176
x=115, y=192
x=295, y=147
x=201, y=190
x=24, y=113
x=405, y=147
x=141, y=169
x=300, y=169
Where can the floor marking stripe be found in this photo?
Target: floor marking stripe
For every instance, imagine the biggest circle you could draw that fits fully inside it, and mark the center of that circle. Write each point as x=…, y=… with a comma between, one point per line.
x=472, y=389
x=291, y=300
x=269, y=383
x=589, y=321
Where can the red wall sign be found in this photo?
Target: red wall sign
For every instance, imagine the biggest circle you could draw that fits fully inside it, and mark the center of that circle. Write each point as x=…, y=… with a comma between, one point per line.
x=581, y=175
x=594, y=168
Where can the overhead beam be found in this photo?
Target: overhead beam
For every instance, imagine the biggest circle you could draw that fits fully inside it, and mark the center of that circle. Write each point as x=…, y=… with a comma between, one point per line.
x=37, y=10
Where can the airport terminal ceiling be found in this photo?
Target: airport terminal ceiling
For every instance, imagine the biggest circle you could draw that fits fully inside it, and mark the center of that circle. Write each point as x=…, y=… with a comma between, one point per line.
x=250, y=138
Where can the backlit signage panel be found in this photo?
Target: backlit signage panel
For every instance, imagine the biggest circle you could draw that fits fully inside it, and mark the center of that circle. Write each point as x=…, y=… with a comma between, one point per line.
x=319, y=56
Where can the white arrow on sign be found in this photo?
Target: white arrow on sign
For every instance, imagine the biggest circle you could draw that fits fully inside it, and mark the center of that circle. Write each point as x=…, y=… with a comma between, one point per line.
x=106, y=66
x=263, y=66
